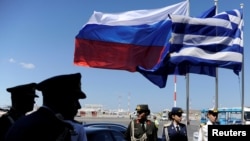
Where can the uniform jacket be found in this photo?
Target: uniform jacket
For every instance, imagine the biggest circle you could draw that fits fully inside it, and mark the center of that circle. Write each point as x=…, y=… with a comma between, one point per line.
x=203, y=131
x=170, y=134
x=5, y=122
x=41, y=125
x=79, y=131
x=151, y=131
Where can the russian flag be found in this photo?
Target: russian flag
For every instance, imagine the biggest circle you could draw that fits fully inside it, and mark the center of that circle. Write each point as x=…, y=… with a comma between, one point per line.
x=125, y=40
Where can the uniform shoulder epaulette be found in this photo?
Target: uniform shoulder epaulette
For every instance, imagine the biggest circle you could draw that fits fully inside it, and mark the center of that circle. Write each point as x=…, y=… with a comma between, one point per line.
x=78, y=122
x=167, y=124
x=181, y=124
x=202, y=124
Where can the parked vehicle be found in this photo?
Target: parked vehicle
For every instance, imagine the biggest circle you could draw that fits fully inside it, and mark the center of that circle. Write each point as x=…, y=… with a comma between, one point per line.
x=164, y=115
x=115, y=126
x=103, y=134
x=113, y=131
x=229, y=115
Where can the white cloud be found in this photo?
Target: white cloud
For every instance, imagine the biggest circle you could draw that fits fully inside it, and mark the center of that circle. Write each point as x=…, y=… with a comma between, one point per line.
x=27, y=65
x=23, y=64
x=11, y=60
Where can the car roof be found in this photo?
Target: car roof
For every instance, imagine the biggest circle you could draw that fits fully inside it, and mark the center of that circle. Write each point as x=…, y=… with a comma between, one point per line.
x=106, y=125
x=100, y=134
x=103, y=123
x=114, y=126
x=92, y=129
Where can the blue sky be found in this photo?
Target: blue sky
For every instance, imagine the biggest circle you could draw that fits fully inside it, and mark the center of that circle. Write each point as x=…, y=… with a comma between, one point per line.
x=37, y=42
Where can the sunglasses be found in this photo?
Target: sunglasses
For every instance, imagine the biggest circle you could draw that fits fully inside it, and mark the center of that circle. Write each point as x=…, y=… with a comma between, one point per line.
x=140, y=112
x=179, y=114
x=214, y=114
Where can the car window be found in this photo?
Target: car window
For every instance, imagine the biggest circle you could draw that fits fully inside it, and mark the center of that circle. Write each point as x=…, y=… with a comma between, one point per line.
x=118, y=136
x=118, y=128
x=102, y=136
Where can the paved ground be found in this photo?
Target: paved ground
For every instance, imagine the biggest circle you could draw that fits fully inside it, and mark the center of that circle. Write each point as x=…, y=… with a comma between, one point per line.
x=192, y=127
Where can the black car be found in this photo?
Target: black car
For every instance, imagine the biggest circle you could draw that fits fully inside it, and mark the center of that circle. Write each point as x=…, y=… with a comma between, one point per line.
x=112, y=126
x=115, y=126
x=103, y=134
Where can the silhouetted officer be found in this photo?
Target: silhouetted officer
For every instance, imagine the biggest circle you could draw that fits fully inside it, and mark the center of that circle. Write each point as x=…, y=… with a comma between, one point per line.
x=60, y=101
x=22, y=99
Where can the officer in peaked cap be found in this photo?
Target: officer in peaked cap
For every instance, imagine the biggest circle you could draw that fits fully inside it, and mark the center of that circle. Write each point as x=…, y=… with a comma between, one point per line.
x=142, y=128
x=213, y=111
x=22, y=99
x=212, y=116
x=23, y=90
x=176, y=110
x=142, y=108
x=175, y=130
x=69, y=84
x=61, y=96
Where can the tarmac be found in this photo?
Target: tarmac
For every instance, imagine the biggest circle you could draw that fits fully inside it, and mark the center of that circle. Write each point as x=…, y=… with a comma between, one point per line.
x=191, y=127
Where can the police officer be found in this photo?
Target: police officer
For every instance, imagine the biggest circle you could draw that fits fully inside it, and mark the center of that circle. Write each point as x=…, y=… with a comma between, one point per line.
x=175, y=130
x=212, y=116
x=141, y=128
x=22, y=100
x=60, y=101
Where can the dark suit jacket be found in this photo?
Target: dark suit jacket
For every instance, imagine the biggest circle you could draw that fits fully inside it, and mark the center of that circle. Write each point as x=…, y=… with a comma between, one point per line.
x=41, y=125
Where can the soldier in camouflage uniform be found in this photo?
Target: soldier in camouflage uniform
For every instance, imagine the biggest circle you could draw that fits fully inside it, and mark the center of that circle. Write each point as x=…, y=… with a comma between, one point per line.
x=141, y=128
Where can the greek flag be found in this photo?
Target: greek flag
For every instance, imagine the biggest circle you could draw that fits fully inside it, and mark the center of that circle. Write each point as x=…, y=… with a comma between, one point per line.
x=215, y=41
x=159, y=73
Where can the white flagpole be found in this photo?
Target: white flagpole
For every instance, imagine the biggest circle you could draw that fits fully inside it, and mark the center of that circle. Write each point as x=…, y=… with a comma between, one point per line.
x=175, y=94
x=216, y=69
x=242, y=75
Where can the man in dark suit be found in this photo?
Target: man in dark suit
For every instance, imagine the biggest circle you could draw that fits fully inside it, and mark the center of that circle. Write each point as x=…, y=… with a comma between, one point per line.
x=61, y=96
x=22, y=101
x=175, y=130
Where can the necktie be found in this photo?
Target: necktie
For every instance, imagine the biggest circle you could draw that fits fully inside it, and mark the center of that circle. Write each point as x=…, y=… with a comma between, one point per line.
x=143, y=127
x=177, y=129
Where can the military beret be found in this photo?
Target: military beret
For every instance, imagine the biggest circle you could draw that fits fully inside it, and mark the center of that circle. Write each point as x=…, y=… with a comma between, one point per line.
x=142, y=107
x=69, y=83
x=176, y=110
x=23, y=90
